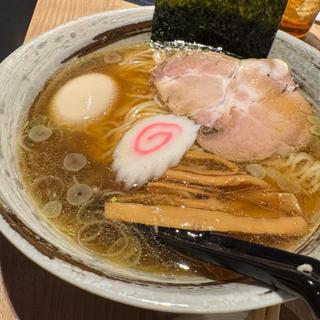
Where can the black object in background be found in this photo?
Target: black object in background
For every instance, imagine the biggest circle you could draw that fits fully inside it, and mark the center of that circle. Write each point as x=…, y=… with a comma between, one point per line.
x=15, y=17
x=142, y=2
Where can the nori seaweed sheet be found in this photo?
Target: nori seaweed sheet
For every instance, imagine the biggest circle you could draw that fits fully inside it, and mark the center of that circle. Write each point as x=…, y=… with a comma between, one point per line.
x=243, y=27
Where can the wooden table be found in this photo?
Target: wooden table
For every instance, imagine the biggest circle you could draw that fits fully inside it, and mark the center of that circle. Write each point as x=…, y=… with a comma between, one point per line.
x=34, y=293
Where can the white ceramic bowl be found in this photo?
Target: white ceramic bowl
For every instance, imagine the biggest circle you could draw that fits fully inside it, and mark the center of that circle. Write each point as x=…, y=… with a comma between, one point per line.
x=22, y=75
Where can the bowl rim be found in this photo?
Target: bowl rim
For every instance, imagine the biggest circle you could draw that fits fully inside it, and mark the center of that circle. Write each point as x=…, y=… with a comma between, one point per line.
x=148, y=297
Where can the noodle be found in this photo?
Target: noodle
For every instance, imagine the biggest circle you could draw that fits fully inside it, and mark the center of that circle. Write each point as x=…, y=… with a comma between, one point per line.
x=301, y=170
x=137, y=96
x=112, y=132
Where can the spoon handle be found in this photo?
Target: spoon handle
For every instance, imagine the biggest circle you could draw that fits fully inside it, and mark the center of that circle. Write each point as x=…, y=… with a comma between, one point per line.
x=6, y=310
x=264, y=269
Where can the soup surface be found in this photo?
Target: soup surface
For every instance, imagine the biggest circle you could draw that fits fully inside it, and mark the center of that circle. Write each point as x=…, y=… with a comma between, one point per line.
x=67, y=170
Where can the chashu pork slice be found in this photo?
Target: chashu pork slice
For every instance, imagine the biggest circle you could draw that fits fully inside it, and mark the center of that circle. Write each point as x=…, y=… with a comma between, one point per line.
x=249, y=109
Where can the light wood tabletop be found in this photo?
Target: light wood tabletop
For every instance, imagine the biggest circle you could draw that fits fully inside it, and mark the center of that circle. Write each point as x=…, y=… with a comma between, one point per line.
x=51, y=13
x=34, y=293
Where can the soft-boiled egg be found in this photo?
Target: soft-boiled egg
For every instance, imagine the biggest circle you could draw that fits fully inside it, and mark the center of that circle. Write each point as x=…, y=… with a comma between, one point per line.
x=84, y=98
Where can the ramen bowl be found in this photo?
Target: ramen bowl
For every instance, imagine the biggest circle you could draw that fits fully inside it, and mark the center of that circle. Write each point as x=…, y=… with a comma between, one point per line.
x=22, y=75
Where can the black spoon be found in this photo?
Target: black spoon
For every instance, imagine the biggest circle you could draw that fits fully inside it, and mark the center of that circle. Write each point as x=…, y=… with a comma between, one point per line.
x=292, y=272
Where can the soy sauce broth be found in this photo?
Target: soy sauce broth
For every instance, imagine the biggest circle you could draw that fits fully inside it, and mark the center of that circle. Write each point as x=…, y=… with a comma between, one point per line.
x=47, y=180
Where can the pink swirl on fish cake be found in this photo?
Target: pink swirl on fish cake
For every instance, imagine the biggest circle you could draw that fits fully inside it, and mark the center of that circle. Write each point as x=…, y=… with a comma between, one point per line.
x=166, y=133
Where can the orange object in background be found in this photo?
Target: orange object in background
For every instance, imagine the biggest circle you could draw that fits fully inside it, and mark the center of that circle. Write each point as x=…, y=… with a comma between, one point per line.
x=299, y=16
